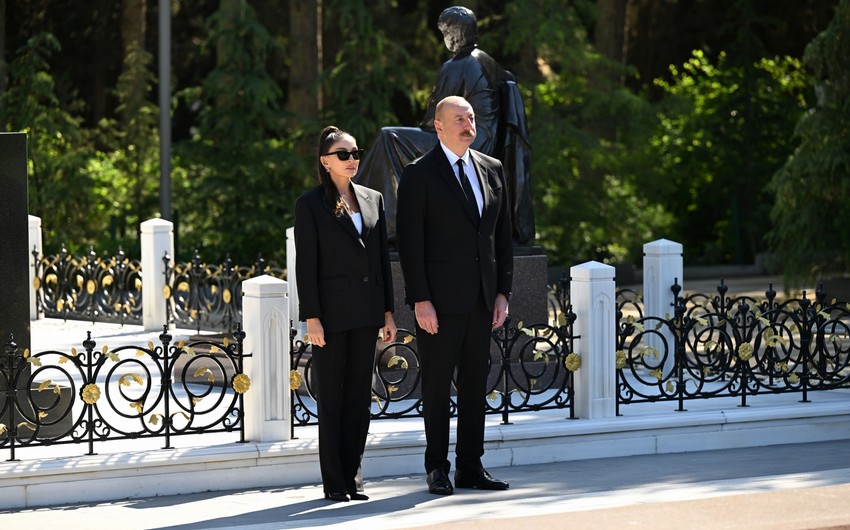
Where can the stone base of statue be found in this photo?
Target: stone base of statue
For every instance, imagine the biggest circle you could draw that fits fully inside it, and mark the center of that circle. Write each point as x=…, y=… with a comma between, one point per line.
x=529, y=295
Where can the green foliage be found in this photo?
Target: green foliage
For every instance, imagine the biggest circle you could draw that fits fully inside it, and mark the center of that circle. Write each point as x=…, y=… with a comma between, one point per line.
x=61, y=192
x=813, y=186
x=367, y=71
x=587, y=134
x=126, y=169
x=377, y=76
x=237, y=178
x=722, y=132
x=557, y=31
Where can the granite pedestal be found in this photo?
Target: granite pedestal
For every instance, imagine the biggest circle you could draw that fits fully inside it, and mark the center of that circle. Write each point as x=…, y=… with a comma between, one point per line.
x=14, y=273
x=528, y=300
x=14, y=251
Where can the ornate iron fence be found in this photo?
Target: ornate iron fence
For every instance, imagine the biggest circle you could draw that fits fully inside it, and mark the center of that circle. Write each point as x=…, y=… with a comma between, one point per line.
x=128, y=392
x=99, y=289
x=109, y=289
x=208, y=296
x=629, y=303
x=716, y=346
x=531, y=368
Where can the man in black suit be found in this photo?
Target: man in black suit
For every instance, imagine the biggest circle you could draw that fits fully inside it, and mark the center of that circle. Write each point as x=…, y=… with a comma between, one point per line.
x=454, y=242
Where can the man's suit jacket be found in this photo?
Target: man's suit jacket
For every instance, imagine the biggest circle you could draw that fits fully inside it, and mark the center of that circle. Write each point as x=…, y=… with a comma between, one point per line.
x=446, y=256
x=343, y=277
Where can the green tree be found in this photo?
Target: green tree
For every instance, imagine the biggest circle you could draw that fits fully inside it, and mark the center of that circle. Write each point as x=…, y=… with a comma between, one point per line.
x=813, y=186
x=587, y=133
x=61, y=191
x=126, y=168
x=367, y=71
x=723, y=131
x=241, y=177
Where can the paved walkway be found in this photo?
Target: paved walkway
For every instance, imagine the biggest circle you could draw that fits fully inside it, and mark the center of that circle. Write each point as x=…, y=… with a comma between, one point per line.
x=777, y=487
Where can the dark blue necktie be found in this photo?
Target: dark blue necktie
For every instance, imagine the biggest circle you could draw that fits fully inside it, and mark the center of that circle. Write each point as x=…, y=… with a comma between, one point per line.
x=467, y=189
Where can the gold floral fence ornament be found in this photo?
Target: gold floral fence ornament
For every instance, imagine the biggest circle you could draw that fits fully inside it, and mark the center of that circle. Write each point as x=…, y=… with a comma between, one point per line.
x=241, y=383
x=745, y=351
x=91, y=393
x=621, y=359
x=572, y=362
x=294, y=379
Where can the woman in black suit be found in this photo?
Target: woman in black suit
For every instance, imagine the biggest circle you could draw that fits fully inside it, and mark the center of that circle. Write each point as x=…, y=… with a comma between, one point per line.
x=342, y=268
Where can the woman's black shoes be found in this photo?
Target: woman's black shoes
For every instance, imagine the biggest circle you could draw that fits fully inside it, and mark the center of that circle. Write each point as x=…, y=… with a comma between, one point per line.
x=345, y=497
x=336, y=497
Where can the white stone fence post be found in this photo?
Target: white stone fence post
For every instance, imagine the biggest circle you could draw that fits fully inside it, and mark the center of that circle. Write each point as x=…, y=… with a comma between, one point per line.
x=35, y=243
x=265, y=316
x=662, y=265
x=157, y=240
x=593, y=297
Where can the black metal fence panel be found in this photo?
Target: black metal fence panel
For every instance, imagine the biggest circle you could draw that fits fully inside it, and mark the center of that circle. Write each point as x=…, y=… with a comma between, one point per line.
x=90, y=287
x=197, y=295
x=209, y=296
x=531, y=368
x=93, y=395
x=717, y=346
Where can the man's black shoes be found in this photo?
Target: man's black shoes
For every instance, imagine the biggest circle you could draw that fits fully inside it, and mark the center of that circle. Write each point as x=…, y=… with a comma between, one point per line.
x=478, y=479
x=439, y=483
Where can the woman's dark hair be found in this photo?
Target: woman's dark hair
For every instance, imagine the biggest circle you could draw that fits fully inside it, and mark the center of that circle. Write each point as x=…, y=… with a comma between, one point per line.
x=329, y=136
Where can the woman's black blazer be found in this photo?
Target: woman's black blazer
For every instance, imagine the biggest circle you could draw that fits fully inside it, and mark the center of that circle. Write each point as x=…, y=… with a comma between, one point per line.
x=343, y=277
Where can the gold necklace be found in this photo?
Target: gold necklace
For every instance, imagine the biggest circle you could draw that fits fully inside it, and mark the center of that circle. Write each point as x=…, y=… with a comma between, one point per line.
x=342, y=205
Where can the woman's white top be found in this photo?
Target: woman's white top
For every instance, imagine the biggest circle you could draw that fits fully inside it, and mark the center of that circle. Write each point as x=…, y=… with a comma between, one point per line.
x=357, y=219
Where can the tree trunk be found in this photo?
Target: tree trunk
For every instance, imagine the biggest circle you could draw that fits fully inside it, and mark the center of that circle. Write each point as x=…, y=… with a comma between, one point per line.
x=133, y=23
x=133, y=36
x=2, y=52
x=305, y=37
x=608, y=40
x=610, y=28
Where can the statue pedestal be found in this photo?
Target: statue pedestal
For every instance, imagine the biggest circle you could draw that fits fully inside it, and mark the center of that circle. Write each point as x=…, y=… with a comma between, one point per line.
x=529, y=293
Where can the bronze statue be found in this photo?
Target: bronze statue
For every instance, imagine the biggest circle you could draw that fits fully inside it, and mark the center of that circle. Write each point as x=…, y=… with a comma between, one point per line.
x=499, y=115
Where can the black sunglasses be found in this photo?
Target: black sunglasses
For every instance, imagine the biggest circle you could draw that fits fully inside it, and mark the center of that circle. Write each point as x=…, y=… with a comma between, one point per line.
x=344, y=155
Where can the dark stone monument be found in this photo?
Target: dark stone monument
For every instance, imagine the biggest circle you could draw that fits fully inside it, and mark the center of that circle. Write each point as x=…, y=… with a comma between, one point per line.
x=14, y=266
x=15, y=300
x=14, y=243
x=528, y=303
